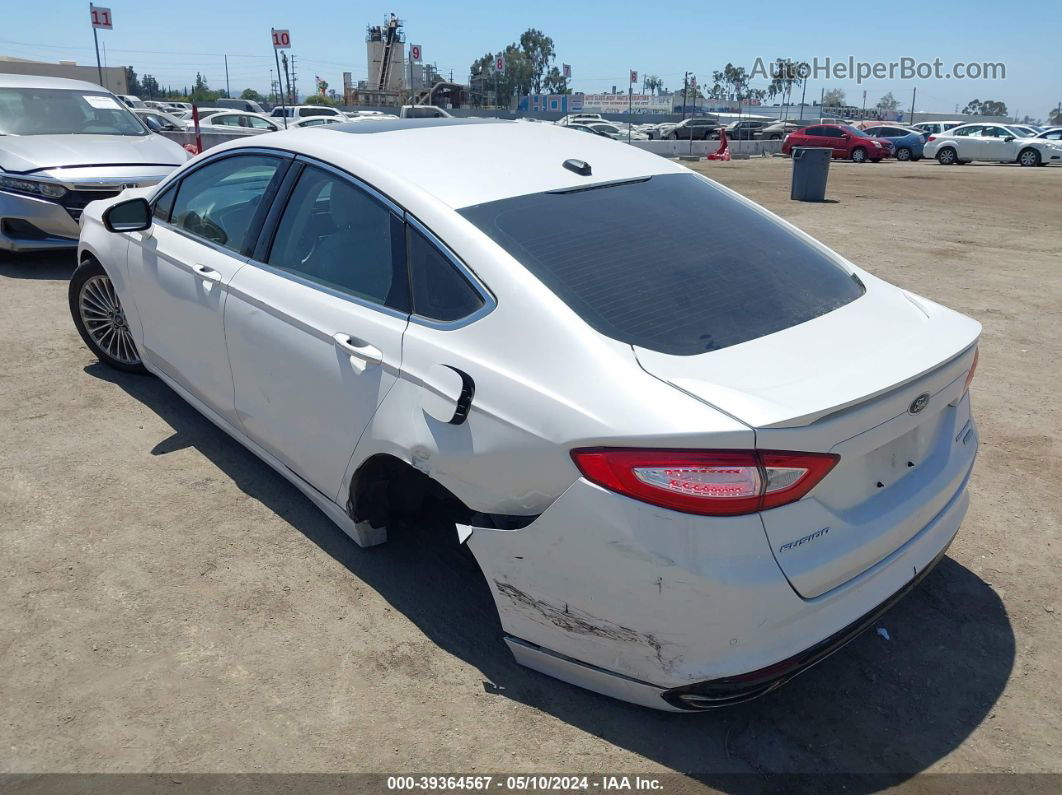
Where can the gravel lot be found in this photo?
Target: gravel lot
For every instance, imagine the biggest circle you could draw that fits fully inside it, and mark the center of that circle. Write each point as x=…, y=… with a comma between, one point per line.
x=170, y=604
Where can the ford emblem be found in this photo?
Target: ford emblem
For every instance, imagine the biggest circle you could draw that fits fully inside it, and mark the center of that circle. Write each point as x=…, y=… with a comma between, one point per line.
x=919, y=403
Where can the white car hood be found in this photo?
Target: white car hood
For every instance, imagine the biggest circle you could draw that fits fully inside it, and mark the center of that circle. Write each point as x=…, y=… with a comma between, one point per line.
x=26, y=154
x=792, y=377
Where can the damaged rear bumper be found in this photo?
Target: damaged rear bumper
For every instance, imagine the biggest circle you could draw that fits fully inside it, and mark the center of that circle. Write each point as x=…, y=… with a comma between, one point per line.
x=673, y=611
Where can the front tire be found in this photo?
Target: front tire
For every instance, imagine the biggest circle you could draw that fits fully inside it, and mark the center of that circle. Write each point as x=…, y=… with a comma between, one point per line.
x=672, y=136
x=947, y=156
x=100, y=319
x=1029, y=157
x=859, y=155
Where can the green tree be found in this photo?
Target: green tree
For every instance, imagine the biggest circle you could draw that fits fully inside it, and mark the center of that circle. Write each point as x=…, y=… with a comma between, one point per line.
x=150, y=87
x=251, y=94
x=320, y=99
x=1055, y=115
x=888, y=104
x=537, y=47
x=786, y=74
x=833, y=98
x=201, y=91
x=652, y=83
x=132, y=84
x=555, y=82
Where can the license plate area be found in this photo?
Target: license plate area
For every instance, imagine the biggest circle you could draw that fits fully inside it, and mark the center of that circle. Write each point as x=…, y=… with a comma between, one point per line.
x=895, y=460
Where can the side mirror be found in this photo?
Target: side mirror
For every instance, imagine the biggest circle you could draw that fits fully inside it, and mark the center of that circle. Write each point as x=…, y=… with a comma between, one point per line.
x=132, y=215
x=1008, y=139
x=845, y=135
x=153, y=124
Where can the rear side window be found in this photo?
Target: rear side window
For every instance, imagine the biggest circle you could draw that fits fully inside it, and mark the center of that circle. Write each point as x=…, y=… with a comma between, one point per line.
x=670, y=263
x=336, y=234
x=440, y=291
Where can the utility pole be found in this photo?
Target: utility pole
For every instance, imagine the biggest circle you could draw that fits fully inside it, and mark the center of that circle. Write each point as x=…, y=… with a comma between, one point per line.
x=914, y=93
x=864, y=116
x=228, y=91
x=287, y=78
x=685, y=80
x=822, y=98
x=803, y=95
x=294, y=82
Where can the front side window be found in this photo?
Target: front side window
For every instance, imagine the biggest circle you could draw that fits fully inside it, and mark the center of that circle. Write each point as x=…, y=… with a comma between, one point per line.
x=261, y=124
x=714, y=272
x=218, y=202
x=52, y=111
x=337, y=235
x=440, y=291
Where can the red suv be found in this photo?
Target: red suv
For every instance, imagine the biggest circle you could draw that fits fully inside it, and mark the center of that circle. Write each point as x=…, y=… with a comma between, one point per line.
x=845, y=141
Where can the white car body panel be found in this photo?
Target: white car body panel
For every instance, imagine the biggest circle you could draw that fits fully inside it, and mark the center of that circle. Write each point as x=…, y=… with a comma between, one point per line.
x=992, y=149
x=593, y=587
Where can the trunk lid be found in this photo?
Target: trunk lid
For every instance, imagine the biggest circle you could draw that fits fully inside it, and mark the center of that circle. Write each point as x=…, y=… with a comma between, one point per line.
x=847, y=383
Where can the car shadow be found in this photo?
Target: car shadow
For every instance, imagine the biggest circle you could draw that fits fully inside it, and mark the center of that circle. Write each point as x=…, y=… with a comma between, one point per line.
x=46, y=265
x=886, y=707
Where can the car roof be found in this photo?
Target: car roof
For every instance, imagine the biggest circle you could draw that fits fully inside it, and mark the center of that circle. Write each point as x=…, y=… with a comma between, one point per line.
x=464, y=162
x=8, y=80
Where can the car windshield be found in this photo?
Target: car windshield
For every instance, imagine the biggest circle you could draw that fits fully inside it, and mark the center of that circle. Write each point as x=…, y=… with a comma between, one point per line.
x=671, y=263
x=52, y=111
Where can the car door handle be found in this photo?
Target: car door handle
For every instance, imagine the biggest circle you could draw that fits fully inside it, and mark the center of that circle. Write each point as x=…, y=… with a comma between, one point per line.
x=369, y=354
x=209, y=274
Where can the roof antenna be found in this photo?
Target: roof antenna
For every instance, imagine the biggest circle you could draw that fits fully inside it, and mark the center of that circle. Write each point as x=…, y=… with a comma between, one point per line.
x=580, y=167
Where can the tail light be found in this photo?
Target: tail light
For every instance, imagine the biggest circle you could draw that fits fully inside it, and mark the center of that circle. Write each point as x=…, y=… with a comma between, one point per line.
x=931, y=138
x=706, y=482
x=973, y=369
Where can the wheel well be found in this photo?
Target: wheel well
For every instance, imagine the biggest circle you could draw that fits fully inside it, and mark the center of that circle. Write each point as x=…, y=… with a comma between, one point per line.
x=385, y=488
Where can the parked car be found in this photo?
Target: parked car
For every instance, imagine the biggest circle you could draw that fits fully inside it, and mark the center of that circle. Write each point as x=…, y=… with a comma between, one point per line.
x=239, y=122
x=697, y=129
x=1051, y=135
x=993, y=143
x=935, y=127
x=131, y=101
x=159, y=121
x=579, y=118
x=746, y=129
x=744, y=436
x=302, y=111
x=780, y=129
x=906, y=143
x=315, y=121
x=63, y=144
x=588, y=128
x=658, y=132
x=179, y=105
x=248, y=105
x=847, y=142
x=423, y=112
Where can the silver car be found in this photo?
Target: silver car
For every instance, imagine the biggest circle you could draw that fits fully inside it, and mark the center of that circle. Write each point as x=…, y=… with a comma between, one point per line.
x=63, y=144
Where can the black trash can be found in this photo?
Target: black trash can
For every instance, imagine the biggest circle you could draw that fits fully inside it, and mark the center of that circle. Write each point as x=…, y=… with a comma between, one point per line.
x=811, y=167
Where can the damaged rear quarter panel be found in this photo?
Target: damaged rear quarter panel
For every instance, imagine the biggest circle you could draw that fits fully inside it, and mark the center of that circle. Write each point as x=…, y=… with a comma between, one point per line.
x=652, y=594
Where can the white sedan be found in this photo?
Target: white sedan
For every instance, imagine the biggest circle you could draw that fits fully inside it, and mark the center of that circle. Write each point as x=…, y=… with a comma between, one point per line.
x=686, y=473
x=234, y=122
x=989, y=142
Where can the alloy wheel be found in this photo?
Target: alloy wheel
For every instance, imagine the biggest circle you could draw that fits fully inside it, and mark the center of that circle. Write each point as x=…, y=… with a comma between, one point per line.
x=104, y=320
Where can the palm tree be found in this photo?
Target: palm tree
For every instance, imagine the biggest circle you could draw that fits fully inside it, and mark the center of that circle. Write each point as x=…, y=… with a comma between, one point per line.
x=652, y=83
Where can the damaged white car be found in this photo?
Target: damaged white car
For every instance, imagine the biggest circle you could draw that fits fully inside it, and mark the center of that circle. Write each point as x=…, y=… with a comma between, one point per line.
x=692, y=450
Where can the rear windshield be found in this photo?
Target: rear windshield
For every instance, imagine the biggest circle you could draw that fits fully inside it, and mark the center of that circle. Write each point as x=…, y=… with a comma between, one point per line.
x=670, y=263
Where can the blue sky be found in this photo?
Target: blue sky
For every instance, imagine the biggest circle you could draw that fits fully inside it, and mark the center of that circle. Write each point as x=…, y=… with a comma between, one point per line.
x=601, y=40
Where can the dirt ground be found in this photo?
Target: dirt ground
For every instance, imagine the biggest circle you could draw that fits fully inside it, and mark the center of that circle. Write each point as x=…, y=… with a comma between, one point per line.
x=170, y=604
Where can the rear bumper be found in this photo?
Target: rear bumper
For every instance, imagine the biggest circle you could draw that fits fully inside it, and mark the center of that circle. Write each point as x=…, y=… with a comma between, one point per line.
x=617, y=597
x=29, y=224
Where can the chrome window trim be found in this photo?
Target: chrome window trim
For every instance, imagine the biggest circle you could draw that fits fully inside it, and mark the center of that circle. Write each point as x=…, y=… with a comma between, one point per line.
x=180, y=172
x=236, y=255
x=324, y=288
x=361, y=184
x=489, y=301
